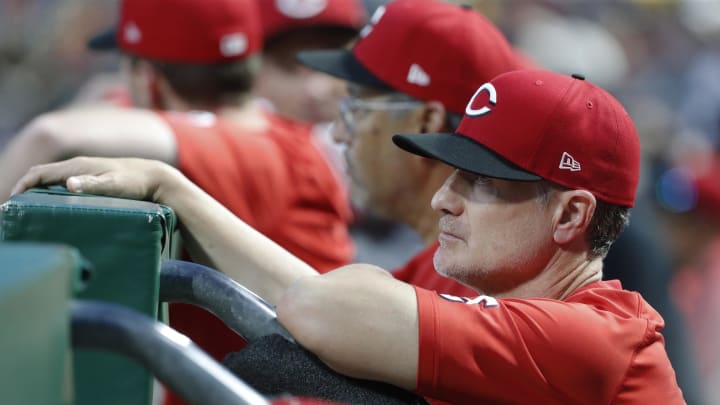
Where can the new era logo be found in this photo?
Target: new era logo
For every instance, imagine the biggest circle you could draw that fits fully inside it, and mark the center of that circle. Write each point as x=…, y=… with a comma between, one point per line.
x=567, y=162
x=132, y=33
x=233, y=44
x=416, y=75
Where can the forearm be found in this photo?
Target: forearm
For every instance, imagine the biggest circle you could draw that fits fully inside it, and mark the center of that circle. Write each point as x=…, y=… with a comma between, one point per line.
x=215, y=234
x=99, y=131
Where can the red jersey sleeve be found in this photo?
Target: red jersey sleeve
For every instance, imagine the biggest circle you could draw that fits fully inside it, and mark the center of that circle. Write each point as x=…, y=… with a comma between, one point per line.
x=542, y=351
x=244, y=171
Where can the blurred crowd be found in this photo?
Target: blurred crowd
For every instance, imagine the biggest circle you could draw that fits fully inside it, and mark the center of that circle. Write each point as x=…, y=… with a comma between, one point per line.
x=660, y=58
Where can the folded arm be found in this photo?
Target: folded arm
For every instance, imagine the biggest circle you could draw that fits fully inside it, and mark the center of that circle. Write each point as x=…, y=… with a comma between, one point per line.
x=89, y=131
x=359, y=320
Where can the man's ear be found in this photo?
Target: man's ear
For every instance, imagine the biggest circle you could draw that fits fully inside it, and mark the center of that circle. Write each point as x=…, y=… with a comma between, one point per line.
x=434, y=117
x=574, y=212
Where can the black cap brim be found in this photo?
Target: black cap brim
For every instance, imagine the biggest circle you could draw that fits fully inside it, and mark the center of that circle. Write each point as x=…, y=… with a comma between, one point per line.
x=463, y=153
x=103, y=41
x=342, y=64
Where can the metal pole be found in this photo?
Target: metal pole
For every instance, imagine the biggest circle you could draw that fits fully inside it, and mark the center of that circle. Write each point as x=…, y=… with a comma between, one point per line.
x=169, y=355
x=241, y=309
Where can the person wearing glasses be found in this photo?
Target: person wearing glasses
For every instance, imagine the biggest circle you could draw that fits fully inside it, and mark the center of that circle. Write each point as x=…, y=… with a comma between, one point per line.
x=544, y=172
x=396, y=84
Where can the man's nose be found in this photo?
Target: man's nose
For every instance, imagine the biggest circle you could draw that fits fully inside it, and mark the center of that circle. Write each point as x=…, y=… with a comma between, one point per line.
x=446, y=199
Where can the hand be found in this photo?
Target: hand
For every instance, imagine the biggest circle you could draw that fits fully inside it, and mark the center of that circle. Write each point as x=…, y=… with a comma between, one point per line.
x=137, y=179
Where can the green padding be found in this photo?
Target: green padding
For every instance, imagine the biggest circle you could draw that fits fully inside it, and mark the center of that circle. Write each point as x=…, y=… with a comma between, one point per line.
x=125, y=241
x=35, y=290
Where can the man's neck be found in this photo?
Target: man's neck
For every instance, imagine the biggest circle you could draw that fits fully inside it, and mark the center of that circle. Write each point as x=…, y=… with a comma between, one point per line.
x=557, y=281
x=248, y=114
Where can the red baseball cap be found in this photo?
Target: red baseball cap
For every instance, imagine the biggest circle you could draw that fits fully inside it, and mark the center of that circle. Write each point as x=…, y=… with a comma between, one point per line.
x=280, y=16
x=185, y=31
x=530, y=125
x=428, y=49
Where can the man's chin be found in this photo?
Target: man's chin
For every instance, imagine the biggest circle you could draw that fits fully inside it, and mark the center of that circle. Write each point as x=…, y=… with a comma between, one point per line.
x=442, y=264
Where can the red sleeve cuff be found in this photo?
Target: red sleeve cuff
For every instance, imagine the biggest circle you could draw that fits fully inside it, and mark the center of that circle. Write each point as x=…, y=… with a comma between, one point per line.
x=429, y=344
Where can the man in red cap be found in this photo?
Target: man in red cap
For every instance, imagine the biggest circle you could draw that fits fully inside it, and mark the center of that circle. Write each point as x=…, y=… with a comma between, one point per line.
x=190, y=66
x=290, y=89
x=545, y=170
x=304, y=97
x=396, y=84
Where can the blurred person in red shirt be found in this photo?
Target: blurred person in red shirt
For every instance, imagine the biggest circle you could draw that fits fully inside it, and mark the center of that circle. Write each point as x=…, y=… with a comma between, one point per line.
x=190, y=68
x=689, y=194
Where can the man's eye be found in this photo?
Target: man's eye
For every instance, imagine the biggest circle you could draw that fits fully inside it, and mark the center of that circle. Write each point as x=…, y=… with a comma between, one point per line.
x=479, y=179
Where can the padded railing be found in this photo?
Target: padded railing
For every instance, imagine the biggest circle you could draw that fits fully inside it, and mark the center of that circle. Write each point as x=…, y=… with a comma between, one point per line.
x=241, y=309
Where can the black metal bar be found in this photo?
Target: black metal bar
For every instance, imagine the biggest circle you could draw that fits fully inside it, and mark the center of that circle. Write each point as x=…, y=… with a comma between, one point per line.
x=169, y=355
x=241, y=309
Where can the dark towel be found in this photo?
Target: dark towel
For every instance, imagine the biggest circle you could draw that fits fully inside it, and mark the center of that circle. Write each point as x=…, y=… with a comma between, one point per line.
x=274, y=366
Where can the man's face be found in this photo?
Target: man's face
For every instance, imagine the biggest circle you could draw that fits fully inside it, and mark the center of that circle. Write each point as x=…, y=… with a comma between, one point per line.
x=381, y=177
x=494, y=234
x=300, y=93
x=295, y=90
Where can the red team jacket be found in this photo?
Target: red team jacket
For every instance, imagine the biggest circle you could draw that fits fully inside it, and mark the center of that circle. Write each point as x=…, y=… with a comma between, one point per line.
x=600, y=345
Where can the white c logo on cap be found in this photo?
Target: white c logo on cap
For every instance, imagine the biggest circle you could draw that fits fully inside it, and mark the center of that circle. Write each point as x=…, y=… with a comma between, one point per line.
x=492, y=98
x=300, y=8
x=132, y=33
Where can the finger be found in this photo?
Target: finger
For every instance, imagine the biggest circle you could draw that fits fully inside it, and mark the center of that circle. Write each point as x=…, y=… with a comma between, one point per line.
x=51, y=173
x=108, y=184
x=36, y=176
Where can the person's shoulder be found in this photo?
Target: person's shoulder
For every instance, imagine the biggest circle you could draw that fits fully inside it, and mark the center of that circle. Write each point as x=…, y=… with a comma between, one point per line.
x=287, y=130
x=608, y=297
x=195, y=119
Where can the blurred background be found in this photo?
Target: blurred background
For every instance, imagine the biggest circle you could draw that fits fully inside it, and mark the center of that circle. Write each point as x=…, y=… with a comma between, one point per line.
x=660, y=58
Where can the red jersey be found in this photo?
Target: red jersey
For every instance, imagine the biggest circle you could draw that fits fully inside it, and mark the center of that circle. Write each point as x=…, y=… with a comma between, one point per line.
x=279, y=183
x=600, y=345
x=420, y=272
